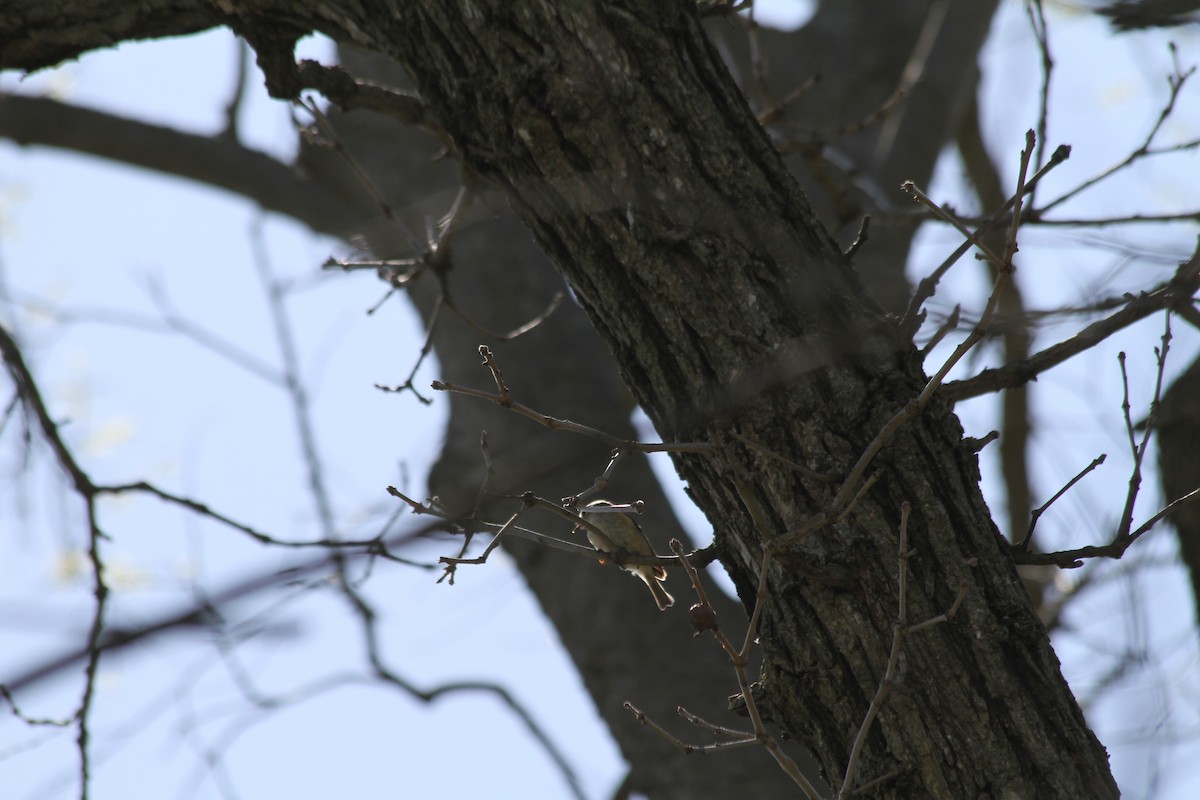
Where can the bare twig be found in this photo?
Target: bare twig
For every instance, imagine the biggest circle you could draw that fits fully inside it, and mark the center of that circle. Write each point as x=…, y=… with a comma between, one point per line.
x=601, y=482
x=946, y=216
x=951, y=324
x=453, y=562
x=1123, y=537
x=928, y=285
x=911, y=409
x=328, y=137
x=369, y=622
x=914, y=69
x=426, y=348
x=1073, y=559
x=1037, y=512
x=1138, y=450
x=864, y=229
x=516, y=332
x=901, y=631
x=31, y=397
x=704, y=619
x=204, y=510
x=1041, y=32
x=889, y=674
x=776, y=111
x=207, y=339
x=398, y=271
x=504, y=400
x=1175, y=83
x=737, y=739
x=618, y=558
x=1175, y=293
x=294, y=384
x=28, y=720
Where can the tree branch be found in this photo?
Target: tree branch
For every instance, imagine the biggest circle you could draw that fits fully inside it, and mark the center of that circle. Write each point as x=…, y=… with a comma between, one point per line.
x=212, y=160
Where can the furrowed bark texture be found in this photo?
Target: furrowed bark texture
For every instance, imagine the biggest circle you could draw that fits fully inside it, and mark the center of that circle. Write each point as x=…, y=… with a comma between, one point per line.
x=624, y=145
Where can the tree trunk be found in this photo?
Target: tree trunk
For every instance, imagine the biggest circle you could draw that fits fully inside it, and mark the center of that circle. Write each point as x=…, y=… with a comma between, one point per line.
x=624, y=145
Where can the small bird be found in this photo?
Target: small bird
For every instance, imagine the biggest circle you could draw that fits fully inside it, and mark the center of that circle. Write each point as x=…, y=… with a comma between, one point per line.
x=623, y=533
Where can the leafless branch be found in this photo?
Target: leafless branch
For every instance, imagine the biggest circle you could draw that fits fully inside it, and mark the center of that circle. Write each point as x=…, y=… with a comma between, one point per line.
x=1175, y=82
x=900, y=633
x=1041, y=32
x=914, y=406
x=504, y=400
x=1123, y=537
x=928, y=285
x=704, y=619
x=368, y=620
x=1176, y=292
x=1037, y=512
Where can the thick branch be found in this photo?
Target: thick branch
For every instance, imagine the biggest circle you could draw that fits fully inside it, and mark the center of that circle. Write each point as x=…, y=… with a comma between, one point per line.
x=35, y=34
x=213, y=160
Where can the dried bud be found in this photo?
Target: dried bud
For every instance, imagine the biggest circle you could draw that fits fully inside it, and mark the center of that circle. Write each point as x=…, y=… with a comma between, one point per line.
x=703, y=618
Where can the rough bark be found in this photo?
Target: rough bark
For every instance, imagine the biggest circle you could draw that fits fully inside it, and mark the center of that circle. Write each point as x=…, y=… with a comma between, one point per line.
x=624, y=145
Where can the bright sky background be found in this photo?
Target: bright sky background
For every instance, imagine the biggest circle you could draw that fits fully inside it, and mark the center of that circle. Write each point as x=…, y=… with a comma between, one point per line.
x=90, y=238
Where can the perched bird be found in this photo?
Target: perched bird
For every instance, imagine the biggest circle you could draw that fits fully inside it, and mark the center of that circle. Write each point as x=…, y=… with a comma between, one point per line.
x=621, y=532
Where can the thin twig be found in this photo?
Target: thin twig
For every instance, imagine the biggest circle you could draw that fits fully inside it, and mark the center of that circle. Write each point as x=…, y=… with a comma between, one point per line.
x=776, y=111
x=370, y=621
x=1139, y=450
x=426, y=349
x=901, y=631
x=914, y=406
x=1123, y=537
x=453, y=562
x=703, y=614
x=205, y=338
x=1175, y=293
x=31, y=396
x=1175, y=81
x=914, y=70
x=946, y=216
x=516, y=332
x=943, y=330
x=601, y=482
x=682, y=746
x=928, y=285
x=504, y=400
x=1073, y=559
x=1041, y=32
x=1037, y=512
x=864, y=230
x=889, y=674
x=618, y=558
x=297, y=392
